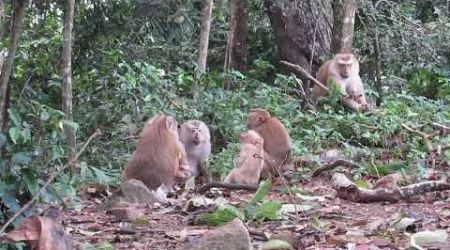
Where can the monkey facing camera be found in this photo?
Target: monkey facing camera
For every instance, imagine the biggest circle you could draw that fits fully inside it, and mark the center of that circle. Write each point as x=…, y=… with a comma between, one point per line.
x=343, y=69
x=196, y=138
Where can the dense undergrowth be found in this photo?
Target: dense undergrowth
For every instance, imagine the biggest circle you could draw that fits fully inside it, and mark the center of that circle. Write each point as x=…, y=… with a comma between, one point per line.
x=123, y=77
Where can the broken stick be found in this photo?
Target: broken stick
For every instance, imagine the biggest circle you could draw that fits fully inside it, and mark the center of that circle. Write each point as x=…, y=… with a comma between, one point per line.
x=334, y=164
x=306, y=74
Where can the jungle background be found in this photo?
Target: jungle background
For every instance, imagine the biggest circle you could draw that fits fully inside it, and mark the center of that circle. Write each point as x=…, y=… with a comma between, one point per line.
x=131, y=60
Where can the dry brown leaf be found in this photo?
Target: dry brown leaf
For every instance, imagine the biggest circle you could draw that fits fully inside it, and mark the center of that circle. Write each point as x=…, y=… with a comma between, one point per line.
x=42, y=233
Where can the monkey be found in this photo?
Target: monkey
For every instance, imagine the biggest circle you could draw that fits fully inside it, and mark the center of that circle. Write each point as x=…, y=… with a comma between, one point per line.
x=159, y=157
x=277, y=143
x=343, y=69
x=195, y=136
x=250, y=161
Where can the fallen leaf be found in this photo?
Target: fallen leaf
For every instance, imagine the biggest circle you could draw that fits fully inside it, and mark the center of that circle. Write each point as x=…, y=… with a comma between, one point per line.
x=42, y=233
x=427, y=237
x=276, y=244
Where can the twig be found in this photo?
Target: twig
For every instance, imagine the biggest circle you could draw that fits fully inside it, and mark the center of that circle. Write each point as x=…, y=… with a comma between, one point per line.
x=443, y=130
x=442, y=127
x=49, y=180
x=233, y=186
x=306, y=74
x=335, y=164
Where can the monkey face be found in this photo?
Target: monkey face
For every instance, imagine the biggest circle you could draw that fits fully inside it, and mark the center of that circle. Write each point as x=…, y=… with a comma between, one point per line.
x=345, y=69
x=256, y=118
x=194, y=132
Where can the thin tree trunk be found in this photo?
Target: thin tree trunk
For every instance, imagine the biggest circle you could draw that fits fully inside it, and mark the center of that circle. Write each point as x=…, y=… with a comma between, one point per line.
x=376, y=45
x=378, y=81
x=2, y=18
x=8, y=64
x=67, y=78
x=236, y=52
x=204, y=35
x=343, y=25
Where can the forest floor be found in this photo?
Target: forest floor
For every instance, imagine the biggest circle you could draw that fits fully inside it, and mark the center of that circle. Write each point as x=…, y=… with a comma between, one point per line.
x=330, y=223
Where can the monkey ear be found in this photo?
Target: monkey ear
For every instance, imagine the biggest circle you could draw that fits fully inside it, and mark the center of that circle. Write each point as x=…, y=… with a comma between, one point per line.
x=170, y=123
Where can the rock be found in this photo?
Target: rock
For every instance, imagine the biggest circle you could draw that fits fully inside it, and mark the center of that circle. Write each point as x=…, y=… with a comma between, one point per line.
x=133, y=198
x=135, y=191
x=232, y=236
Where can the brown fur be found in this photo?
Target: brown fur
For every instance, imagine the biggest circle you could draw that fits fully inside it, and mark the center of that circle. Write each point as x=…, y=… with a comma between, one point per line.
x=344, y=70
x=250, y=162
x=159, y=157
x=195, y=136
x=277, y=143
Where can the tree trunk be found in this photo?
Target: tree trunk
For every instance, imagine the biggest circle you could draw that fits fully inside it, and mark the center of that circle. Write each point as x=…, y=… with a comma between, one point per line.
x=303, y=34
x=67, y=78
x=204, y=35
x=236, y=51
x=343, y=25
x=301, y=27
x=19, y=7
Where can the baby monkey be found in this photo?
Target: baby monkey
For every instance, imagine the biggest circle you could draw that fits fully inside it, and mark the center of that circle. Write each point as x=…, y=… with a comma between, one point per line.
x=250, y=162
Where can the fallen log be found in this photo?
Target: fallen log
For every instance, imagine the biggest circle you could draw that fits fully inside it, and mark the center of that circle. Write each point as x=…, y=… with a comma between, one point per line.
x=347, y=190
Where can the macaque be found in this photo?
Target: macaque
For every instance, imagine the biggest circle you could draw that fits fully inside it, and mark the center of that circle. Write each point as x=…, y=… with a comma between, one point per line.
x=250, y=162
x=344, y=70
x=159, y=157
x=277, y=143
x=196, y=139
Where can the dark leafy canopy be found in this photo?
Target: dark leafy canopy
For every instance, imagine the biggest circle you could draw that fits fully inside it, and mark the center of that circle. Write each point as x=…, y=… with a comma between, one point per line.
x=133, y=59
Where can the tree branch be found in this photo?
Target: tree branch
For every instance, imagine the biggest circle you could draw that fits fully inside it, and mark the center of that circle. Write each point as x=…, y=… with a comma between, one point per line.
x=306, y=74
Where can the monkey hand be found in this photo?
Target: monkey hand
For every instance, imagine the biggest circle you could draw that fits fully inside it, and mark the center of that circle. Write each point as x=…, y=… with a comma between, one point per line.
x=365, y=107
x=184, y=172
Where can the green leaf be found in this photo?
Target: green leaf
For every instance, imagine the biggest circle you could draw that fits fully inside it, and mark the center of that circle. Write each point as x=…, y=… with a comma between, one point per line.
x=221, y=216
x=270, y=210
x=427, y=237
x=293, y=208
x=71, y=124
x=21, y=158
x=262, y=191
x=10, y=201
x=26, y=134
x=402, y=224
x=362, y=183
x=15, y=117
x=276, y=244
x=3, y=140
x=44, y=115
x=14, y=133
x=101, y=175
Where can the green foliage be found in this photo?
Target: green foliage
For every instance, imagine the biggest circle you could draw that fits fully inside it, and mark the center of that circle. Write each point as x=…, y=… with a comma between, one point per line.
x=429, y=84
x=254, y=210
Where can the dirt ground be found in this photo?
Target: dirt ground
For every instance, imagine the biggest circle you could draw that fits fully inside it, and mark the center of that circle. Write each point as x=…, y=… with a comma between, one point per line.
x=331, y=223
